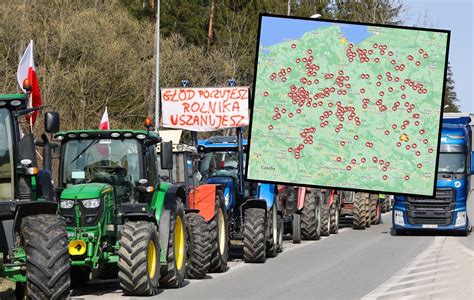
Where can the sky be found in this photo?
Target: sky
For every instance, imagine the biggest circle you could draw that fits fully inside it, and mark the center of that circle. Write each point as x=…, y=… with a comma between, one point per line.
x=457, y=16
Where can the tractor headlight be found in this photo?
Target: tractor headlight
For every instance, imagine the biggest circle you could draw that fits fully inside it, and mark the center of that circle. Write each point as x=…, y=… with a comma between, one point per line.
x=227, y=199
x=66, y=204
x=91, y=203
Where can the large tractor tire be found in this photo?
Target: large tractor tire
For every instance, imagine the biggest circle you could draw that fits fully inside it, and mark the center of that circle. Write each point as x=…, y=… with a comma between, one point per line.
x=280, y=234
x=254, y=233
x=47, y=258
x=296, y=228
x=367, y=212
x=139, y=263
x=359, y=211
x=219, y=238
x=374, y=209
x=272, y=232
x=199, y=246
x=334, y=214
x=383, y=205
x=325, y=220
x=311, y=217
x=172, y=274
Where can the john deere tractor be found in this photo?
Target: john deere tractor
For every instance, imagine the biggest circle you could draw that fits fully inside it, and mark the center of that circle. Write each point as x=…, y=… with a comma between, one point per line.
x=33, y=237
x=121, y=219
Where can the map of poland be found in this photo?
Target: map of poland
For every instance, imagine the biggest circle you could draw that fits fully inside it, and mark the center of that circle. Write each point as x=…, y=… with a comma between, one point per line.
x=347, y=105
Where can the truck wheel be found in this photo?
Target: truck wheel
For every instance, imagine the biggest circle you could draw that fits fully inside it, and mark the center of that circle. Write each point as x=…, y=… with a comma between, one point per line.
x=359, y=211
x=219, y=238
x=374, y=209
x=199, y=246
x=296, y=228
x=272, y=235
x=79, y=276
x=172, y=274
x=254, y=235
x=311, y=217
x=47, y=258
x=280, y=234
x=108, y=271
x=334, y=218
x=139, y=263
x=325, y=220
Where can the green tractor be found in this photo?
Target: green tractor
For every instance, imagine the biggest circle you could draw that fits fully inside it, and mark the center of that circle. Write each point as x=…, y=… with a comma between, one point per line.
x=121, y=219
x=33, y=237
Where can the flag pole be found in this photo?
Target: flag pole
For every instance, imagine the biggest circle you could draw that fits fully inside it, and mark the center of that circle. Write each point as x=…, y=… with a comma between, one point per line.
x=157, y=81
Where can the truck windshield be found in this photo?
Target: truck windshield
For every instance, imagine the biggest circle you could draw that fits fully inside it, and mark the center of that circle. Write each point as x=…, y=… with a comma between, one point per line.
x=108, y=161
x=6, y=155
x=452, y=162
x=221, y=163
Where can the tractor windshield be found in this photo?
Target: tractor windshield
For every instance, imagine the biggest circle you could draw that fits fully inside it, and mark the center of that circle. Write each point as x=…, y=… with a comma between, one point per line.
x=108, y=161
x=6, y=155
x=220, y=163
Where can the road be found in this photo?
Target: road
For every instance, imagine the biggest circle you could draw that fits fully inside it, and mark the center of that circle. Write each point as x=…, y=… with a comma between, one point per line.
x=370, y=264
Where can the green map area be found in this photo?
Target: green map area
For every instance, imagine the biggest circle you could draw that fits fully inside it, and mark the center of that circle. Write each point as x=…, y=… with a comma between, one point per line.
x=335, y=113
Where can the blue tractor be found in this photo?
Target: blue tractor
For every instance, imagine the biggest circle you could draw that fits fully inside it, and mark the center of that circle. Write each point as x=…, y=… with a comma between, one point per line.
x=448, y=210
x=252, y=210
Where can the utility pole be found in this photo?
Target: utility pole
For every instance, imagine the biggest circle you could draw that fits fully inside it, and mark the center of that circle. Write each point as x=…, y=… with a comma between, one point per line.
x=157, y=88
x=211, y=24
x=289, y=8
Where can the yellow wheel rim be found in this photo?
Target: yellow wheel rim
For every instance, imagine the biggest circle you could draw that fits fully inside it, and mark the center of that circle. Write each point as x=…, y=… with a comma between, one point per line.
x=222, y=229
x=151, y=259
x=179, y=242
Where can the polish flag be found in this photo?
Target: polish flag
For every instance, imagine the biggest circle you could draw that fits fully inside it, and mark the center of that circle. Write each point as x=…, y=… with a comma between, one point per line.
x=104, y=123
x=26, y=70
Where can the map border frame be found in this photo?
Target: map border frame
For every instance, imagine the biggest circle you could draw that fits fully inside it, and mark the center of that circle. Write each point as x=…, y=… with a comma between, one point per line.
x=321, y=20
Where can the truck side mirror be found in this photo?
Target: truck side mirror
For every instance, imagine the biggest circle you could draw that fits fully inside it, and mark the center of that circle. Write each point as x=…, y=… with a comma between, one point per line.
x=166, y=155
x=51, y=122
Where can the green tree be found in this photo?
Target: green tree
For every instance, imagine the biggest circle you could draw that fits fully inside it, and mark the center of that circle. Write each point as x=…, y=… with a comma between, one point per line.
x=450, y=96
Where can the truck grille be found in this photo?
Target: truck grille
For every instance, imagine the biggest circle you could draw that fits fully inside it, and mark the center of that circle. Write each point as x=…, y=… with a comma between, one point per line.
x=437, y=211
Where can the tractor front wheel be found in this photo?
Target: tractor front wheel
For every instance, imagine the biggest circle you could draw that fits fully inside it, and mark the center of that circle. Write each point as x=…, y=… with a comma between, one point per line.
x=254, y=235
x=199, y=246
x=296, y=228
x=219, y=238
x=325, y=220
x=272, y=236
x=172, y=274
x=311, y=217
x=359, y=211
x=334, y=214
x=374, y=209
x=47, y=258
x=139, y=263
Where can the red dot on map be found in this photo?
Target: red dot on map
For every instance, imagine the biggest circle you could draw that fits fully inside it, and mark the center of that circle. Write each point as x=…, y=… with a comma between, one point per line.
x=348, y=168
x=381, y=93
x=385, y=177
x=293, y=46
x=406, y=177
x=399, y=144
x=419, y=166
x=403, y=127
x=410, y=57
x=425, y=141
x=430, y=150
x=353, y=161
x=422, y=131
x=393, y=61
x=270, y=127
x=290, y=149
x=338, y=159
x=363, y=159
x=343, y=143
x=387, y=132
x=425, y=55
x=384, y=169
x=374, y=159
x=390, y=89
x=407, y=147
x=417, y=63
x=417, y=153
x=290, y=115
x=421, y=50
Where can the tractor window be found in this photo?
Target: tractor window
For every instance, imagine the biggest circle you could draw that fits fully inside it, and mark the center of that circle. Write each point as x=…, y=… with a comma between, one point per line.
x=151, y=166
x=221, y=163
x=6, y=155
x=110, y=161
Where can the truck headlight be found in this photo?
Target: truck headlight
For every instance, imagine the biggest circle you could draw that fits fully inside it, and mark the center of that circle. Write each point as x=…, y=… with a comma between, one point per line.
x=399, y=218
x=460, y=219
x=91, y=203
x=66, y=204
x=227, y=199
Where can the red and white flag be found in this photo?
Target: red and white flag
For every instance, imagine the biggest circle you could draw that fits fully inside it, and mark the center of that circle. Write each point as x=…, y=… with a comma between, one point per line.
x=26, y=70
x=104, y=123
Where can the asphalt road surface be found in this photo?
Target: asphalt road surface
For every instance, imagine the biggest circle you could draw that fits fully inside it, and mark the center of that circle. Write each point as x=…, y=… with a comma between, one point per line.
x=369, y=264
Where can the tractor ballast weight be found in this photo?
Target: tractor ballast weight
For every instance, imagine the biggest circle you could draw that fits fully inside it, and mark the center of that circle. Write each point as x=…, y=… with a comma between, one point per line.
x=33, y=238
x=111, y=198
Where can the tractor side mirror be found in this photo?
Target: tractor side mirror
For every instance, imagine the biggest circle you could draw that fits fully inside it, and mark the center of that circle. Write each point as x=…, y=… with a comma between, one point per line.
x=51, y=122
x=166, y=155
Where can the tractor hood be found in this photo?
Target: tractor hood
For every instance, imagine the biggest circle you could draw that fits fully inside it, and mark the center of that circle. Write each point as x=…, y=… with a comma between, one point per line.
x=86, y=191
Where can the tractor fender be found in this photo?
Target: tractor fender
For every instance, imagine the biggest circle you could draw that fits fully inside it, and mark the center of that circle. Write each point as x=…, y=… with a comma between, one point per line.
x=268, y=193
x=203, y=199
x=30, y=208
x=252, y=203
x=170, y=205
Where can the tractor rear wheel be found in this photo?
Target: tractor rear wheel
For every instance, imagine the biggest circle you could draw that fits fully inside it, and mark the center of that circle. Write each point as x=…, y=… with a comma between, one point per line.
x=311, y=217
x=172, y=274
x=254, y=235
x=139, y=263
x=296, y=228
x=325, y=220
x=272, y=235
x=374, y=209
x=199, y=246
x=383, y=205
x=47, y=258
x=334, y=214
x=219, y=238
x=368, y=207
x=359, y=211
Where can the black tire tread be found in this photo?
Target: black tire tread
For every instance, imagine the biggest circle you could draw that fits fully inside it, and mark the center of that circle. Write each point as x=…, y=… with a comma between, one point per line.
x=325, y=220
x=359, y=211
x=199, y=246
x=254, y=235
x=218, y=262
x=309, y=222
